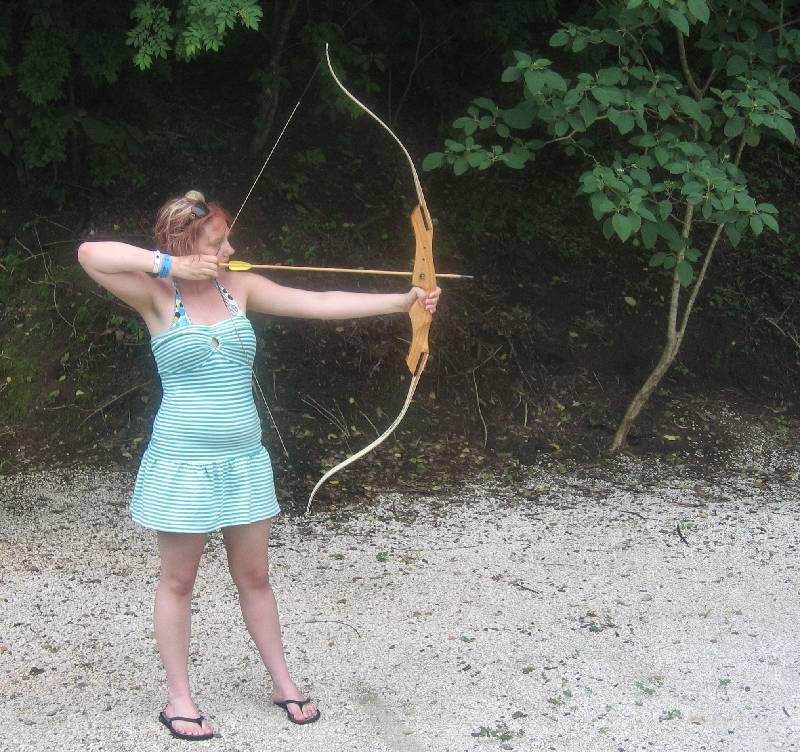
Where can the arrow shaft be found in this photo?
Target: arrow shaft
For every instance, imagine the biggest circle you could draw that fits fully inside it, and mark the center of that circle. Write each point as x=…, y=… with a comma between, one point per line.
x=279, y=267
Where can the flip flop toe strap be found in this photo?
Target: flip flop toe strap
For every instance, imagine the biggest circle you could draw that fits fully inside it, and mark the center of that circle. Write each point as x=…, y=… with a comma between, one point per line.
x=299, y=703
x=199, y=720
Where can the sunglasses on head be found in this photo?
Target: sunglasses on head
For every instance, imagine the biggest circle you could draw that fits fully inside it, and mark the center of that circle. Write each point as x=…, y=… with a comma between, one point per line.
x=199, y=211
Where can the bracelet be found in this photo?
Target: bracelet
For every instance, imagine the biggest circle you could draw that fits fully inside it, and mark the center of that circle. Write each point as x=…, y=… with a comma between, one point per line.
x=156, y=264
x=166, y=265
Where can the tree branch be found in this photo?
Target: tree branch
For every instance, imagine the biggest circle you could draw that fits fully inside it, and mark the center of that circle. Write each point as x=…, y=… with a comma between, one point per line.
x=700, y=277
x=685, y=66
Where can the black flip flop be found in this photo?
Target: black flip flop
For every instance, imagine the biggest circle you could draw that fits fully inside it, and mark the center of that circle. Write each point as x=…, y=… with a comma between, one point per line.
x=285, y=705
x=177, y=734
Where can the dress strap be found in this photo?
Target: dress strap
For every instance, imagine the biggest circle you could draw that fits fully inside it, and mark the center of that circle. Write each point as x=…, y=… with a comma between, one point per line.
x=228, y=299
x=180, y=317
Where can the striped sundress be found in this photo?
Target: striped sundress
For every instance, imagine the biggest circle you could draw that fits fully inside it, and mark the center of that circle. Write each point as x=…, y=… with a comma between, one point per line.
x=205, y=467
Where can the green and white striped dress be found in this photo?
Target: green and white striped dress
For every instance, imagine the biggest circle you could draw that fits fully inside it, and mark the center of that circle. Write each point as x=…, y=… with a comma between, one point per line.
x=205, y=467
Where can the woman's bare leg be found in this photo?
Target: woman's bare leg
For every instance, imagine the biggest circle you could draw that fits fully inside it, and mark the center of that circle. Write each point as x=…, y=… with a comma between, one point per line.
x=247, y=559
x=172, y=618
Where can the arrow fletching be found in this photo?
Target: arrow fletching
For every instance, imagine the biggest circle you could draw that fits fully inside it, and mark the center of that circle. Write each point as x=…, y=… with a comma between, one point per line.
x=239, y=266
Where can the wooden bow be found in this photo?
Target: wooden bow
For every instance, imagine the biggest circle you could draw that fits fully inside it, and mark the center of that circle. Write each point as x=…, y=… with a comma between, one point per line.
x=424, y=276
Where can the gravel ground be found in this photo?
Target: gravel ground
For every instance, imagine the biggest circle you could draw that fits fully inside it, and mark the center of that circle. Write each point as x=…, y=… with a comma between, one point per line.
x=632, y=605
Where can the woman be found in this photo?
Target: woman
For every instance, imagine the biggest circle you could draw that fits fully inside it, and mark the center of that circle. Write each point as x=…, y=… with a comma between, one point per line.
x=205, y=468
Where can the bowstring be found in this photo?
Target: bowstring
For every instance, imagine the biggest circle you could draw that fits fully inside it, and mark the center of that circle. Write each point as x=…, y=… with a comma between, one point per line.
x=277, y=141
x=252, y=369
x=230, y=227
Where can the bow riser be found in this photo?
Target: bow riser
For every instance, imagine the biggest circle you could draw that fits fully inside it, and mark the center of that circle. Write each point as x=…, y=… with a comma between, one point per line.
x=424, y=276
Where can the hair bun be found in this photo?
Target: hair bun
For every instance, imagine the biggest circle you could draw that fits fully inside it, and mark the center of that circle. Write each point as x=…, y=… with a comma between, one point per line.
x=195, y=197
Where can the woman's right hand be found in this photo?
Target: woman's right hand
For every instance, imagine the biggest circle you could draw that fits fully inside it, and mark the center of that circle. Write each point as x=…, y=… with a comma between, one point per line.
x=196, y=266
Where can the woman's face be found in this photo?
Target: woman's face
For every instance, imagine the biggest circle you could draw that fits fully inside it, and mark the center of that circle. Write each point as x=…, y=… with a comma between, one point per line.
x=213, y=239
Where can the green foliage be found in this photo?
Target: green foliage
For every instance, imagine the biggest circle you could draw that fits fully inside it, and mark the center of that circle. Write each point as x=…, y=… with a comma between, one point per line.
x=656, y=139
x=196, y=26
x=59, y=62
x=53, y=57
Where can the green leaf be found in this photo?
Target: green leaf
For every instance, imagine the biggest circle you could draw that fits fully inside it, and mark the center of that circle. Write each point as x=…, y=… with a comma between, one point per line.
x=600, y=204
x=786, y=129
x=679, y=21
x=460, y=166
x=644, y=141
x=733, y=234
x=770, y=222
x=734, y=127
x=555, y=81
x=559, y=39
x=485, y=103
x=467, y=124
x=433, y=161
x=511, y=74
x=752, y=137
x=622, y=226
x=522, y=58
x=667, y=231
x=588, y=110
x=657, y=259
x=699, y=10
x=649, y=235
x=630, y=301
x=684, y=272
x=624, y=122
x=692, y=108
x=579, y=44
x=521, y=116
x=645, y=213
x=756, y=225
x=515, y=160
x=736, y=65
x=609, y=76
x=535, y=81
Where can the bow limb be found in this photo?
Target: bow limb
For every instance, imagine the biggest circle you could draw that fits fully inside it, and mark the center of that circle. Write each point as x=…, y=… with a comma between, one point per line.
x=352, y=97
x=424, y=276
x=367, y=449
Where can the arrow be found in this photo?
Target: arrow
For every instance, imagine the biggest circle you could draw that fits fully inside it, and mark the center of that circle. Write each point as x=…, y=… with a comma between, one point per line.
x=245, y=266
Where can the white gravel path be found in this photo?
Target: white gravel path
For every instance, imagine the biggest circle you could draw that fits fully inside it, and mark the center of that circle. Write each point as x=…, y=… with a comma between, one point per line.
x=565, y=613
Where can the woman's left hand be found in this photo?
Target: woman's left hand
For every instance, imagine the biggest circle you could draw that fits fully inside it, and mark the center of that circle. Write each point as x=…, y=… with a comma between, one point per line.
x=427, y=300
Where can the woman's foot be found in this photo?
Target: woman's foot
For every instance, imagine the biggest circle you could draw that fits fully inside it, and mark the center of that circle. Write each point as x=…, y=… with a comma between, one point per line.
x=185, y=709
x=299, y=709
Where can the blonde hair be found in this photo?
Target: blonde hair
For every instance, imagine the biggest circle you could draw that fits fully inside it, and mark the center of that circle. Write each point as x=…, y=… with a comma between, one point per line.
x=180, y=220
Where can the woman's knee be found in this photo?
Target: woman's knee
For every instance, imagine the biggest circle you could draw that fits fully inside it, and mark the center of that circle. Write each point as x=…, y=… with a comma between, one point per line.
x=179, y=584
x=250, y=577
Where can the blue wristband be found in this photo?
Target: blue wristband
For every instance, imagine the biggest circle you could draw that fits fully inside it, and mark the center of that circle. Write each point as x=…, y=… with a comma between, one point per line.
x=166, y=265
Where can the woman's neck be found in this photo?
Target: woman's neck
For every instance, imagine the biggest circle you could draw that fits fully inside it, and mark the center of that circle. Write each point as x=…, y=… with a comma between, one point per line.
x=195, y=287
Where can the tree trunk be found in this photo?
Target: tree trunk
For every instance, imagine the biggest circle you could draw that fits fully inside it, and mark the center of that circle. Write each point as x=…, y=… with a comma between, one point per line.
x=675, y=333
x=645, y=392
x=675, y=336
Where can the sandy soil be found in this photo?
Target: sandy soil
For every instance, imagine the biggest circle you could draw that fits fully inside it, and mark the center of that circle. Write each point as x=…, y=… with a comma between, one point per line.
x=633, y=605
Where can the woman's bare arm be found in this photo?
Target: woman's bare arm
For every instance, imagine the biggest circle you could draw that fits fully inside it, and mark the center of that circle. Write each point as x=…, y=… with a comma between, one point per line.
x=266, y=296
x=122, y=269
